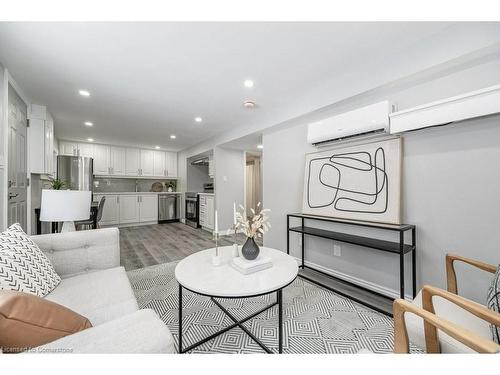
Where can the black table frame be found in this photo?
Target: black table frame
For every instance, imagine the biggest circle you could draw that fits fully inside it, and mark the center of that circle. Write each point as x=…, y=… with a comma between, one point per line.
x=236, y=322
x=399, y=248
x=93, y=215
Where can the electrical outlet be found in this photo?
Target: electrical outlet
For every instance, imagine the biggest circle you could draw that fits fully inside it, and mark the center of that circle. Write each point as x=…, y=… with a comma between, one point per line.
x=337, y=251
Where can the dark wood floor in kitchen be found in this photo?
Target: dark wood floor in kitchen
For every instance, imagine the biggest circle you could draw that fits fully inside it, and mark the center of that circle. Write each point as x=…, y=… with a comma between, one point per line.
x=148, y=245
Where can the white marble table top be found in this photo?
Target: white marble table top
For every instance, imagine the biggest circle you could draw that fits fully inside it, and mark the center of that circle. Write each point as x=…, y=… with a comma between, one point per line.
x=197, y=273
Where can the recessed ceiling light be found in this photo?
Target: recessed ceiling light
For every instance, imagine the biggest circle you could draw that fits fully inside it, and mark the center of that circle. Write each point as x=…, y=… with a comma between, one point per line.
x=84, y=93
x=157, y=147
x=249, y=104
x=88, y=123
x=90, y=139
x=198, y=119
x=260, y=147
x=248, y=83
x=173, y=136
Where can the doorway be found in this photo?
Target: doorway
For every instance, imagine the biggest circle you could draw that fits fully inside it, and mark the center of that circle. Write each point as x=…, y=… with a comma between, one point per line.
x=17, y=160
x=253, y=182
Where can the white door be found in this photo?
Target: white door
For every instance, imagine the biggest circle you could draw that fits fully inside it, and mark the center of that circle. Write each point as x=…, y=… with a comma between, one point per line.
x=101, y=160
x=210, y=206
x=68, y=148
x=111, y=209
x=132, y=161
x=17, y=160
x=148, y=210
x=159, y=163
x=147, y=163
x=171, y=164
x=117, y=160
x=86, y=150
x=129, y=208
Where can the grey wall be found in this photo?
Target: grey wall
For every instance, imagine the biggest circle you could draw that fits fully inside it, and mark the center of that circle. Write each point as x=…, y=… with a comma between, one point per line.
x=229, y=183
x=450, y=191
x=197, y=175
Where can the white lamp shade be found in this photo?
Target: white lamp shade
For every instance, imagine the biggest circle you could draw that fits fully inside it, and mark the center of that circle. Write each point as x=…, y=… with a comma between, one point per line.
x=65, y=205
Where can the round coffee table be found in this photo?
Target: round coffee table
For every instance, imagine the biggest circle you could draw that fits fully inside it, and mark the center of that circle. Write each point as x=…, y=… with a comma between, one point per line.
x=197, y=274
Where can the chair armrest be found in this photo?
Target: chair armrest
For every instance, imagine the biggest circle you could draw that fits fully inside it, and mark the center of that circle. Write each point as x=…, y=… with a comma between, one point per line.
x=450, y=269
x=78, y=252
x=401, y=340
x=476, y=309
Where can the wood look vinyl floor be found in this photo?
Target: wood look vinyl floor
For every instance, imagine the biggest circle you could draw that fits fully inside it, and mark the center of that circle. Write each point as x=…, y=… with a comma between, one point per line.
x=148, y=245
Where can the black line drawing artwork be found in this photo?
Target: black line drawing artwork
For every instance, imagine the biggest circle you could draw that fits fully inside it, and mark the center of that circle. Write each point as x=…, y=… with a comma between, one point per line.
x=350, y=182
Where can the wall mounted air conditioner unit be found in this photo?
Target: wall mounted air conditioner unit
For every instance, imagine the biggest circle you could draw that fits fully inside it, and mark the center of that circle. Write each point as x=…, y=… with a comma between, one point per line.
x=367, y=120
x=462, y=107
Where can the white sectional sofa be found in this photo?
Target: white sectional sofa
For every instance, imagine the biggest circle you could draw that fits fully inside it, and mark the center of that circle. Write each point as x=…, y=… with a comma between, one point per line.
x=95, y=286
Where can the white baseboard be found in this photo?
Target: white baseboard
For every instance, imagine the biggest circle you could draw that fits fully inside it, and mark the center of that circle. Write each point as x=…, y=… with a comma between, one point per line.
x=357, y=281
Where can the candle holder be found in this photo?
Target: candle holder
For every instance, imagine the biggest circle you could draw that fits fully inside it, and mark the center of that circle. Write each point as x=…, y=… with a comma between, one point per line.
x=216, y=258
x=235, y=244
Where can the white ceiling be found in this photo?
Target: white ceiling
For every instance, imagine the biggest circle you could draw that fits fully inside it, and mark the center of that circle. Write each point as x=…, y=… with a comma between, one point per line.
x=149, y=80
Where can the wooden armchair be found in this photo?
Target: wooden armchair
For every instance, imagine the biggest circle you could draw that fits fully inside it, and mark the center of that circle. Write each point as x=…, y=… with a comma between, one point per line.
x=464, y=324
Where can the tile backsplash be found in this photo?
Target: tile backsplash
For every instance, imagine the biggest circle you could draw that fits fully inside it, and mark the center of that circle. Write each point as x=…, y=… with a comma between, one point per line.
x=118, y=185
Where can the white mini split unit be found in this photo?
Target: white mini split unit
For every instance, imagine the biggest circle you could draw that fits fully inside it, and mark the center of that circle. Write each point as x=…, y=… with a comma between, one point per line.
x=372, y=119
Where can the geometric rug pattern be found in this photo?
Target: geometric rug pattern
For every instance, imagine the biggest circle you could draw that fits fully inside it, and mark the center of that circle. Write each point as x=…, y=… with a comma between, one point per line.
x=315, y=320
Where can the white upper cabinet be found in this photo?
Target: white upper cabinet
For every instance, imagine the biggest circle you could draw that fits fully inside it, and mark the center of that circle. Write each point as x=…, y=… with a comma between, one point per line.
x=159, y=163
x=68, y=148
x=86, y=150
x=171, y=164
x=101, y=160
x=41, y=141
x=117, y=160
x=147, y=163
x=132, y=162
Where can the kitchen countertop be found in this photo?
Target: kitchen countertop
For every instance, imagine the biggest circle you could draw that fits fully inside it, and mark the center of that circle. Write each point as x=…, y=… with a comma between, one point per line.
x=137, y=192
x=206, y=194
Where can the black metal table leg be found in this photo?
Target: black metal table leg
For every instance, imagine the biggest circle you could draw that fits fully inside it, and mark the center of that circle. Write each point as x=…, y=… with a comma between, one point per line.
x=303, y=245
x=401, y=265
x=280, y=321
x=180, y=319
x=288, y=234
x=414, y=261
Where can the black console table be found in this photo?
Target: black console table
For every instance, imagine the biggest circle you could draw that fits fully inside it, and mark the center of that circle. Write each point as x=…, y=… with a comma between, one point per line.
x=370, y=298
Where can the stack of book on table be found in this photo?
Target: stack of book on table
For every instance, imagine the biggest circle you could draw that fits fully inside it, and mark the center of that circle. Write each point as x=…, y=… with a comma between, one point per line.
x=247, y=267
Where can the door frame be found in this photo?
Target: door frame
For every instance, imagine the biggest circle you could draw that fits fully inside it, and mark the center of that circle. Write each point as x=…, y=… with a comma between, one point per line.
x=8, y=79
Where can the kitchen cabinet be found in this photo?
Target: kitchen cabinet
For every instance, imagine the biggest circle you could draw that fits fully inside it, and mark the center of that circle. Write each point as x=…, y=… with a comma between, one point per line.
x=147, y=163
x=111, y=209
x=117, y=160
x=159, y=168
x=101, y=160
x=68, y=148
x=148, y=208
x=86, y=150
x=206, y=211
x=171, y=164
x=132, y=162
x=41, y=141
x=129, y=208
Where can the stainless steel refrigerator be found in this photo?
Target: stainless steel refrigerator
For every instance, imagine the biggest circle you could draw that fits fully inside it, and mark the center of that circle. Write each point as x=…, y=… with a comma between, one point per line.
x=76, y=172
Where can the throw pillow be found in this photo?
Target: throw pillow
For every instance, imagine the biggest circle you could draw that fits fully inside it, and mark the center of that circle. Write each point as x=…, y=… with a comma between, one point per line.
x=493, y=303
x=23, y=266
x=28, y=321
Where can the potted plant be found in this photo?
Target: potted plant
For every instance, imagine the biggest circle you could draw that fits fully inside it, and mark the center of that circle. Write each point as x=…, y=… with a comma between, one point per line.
x=170, y=187
x=57, y=184
x=252, y=227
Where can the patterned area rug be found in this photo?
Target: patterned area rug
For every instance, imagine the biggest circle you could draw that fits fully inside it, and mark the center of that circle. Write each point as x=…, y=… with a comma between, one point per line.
x=316, y=320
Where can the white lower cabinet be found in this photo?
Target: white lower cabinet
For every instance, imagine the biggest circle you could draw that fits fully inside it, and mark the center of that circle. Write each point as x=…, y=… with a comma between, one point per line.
x=148, y=208
x=206, y=211
x=128, y=209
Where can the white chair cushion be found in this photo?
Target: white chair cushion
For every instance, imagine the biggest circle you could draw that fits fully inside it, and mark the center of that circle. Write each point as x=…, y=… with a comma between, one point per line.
x=100, y=296
x=451, y=312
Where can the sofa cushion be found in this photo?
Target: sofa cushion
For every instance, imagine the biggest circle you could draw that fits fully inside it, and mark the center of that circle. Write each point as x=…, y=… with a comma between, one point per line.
x=451, y=312
x=23, y=266
x=493, y=303
x=27, y=321
x=139, y=332
x=101, y=296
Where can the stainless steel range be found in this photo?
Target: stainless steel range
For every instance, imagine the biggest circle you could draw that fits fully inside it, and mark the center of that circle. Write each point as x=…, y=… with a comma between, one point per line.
x=192, y=210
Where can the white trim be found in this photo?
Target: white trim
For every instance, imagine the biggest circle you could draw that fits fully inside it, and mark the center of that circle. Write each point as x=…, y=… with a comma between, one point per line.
x=357, y=281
